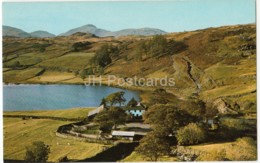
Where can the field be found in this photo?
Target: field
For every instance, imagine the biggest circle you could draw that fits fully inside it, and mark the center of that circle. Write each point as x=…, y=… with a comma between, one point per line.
x=20, y=133
x=243, y=149
x=80, y=61
x=69, y=113
x=135, y=157
x=14, y=76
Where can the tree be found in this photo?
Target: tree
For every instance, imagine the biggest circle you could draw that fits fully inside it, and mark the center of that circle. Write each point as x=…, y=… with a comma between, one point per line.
x=80, y=46
x=16, y=64
x=117, y=115
x=114, y=116
x=140, y=50
x=103, y=56
x=103, y=102
x=167, y=118
x=132, y=102
x=190, y=134
x=104, y=121
x=117, y=97
x=153, y=146
x=158, y=45
x=83, y=73
x=176, y=46
x=37, y=152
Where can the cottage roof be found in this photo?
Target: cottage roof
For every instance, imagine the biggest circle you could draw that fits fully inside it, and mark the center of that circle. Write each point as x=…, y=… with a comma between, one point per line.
x=123, y=133
x=133, y=108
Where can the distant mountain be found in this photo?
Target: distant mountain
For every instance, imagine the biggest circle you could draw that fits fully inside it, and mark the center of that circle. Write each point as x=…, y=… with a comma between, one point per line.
x=89, y=28
x=41, y=34
x=14, y=32
x=141, y=31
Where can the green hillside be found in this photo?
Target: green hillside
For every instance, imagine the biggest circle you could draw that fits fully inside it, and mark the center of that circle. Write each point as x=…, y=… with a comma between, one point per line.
x=213, y=63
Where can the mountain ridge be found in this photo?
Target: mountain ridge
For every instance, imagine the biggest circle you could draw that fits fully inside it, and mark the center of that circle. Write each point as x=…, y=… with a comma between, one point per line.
x=88, y=28
x=9, y=31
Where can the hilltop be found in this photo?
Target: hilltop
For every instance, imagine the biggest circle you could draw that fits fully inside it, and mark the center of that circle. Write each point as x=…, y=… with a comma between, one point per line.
x=214, y=64
x=14, y=32
x=41, y=34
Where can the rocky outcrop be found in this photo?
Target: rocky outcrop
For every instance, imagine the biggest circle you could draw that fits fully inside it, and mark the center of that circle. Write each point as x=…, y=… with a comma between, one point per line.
x=223, y=107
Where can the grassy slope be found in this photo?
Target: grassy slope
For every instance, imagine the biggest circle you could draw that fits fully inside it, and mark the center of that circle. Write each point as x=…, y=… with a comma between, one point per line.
x=20, y=133
x=69, y=113
x=135, y=157
x=15, y=76
x=237, y=150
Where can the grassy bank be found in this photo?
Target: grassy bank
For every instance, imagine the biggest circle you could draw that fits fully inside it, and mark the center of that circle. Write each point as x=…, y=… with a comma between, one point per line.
x=69, y=113
x=20, y=133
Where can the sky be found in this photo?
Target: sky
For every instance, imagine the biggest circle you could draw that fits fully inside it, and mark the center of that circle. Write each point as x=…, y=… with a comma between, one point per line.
x=170, y=16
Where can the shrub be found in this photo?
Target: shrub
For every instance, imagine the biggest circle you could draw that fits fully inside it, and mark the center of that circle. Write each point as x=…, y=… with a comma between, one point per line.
x=80, y=46
x=190, y=134
x=63, y=159
x=244, y=149
x=219, y=155
x=104, y=55
x=153, y=146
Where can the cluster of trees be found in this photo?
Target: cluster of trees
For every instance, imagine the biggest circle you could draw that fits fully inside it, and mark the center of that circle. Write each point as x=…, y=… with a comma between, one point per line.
x=154, y=146
x=168, y=122
x=115, y=98
x=80, y=46
x=113, y=116
x=104, y=55
x=85, y=72
x=41, y=47
x=158, y=46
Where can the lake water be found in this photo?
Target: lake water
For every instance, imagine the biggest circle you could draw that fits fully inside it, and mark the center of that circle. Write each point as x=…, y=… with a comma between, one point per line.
x=54, y=97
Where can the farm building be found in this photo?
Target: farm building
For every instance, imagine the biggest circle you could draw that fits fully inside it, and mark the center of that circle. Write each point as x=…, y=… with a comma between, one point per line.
x=136, y=111
x=129, y=135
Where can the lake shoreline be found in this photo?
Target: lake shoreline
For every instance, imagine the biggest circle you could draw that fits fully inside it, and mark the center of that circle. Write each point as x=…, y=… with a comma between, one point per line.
x=142, y=91
x=56, y=96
